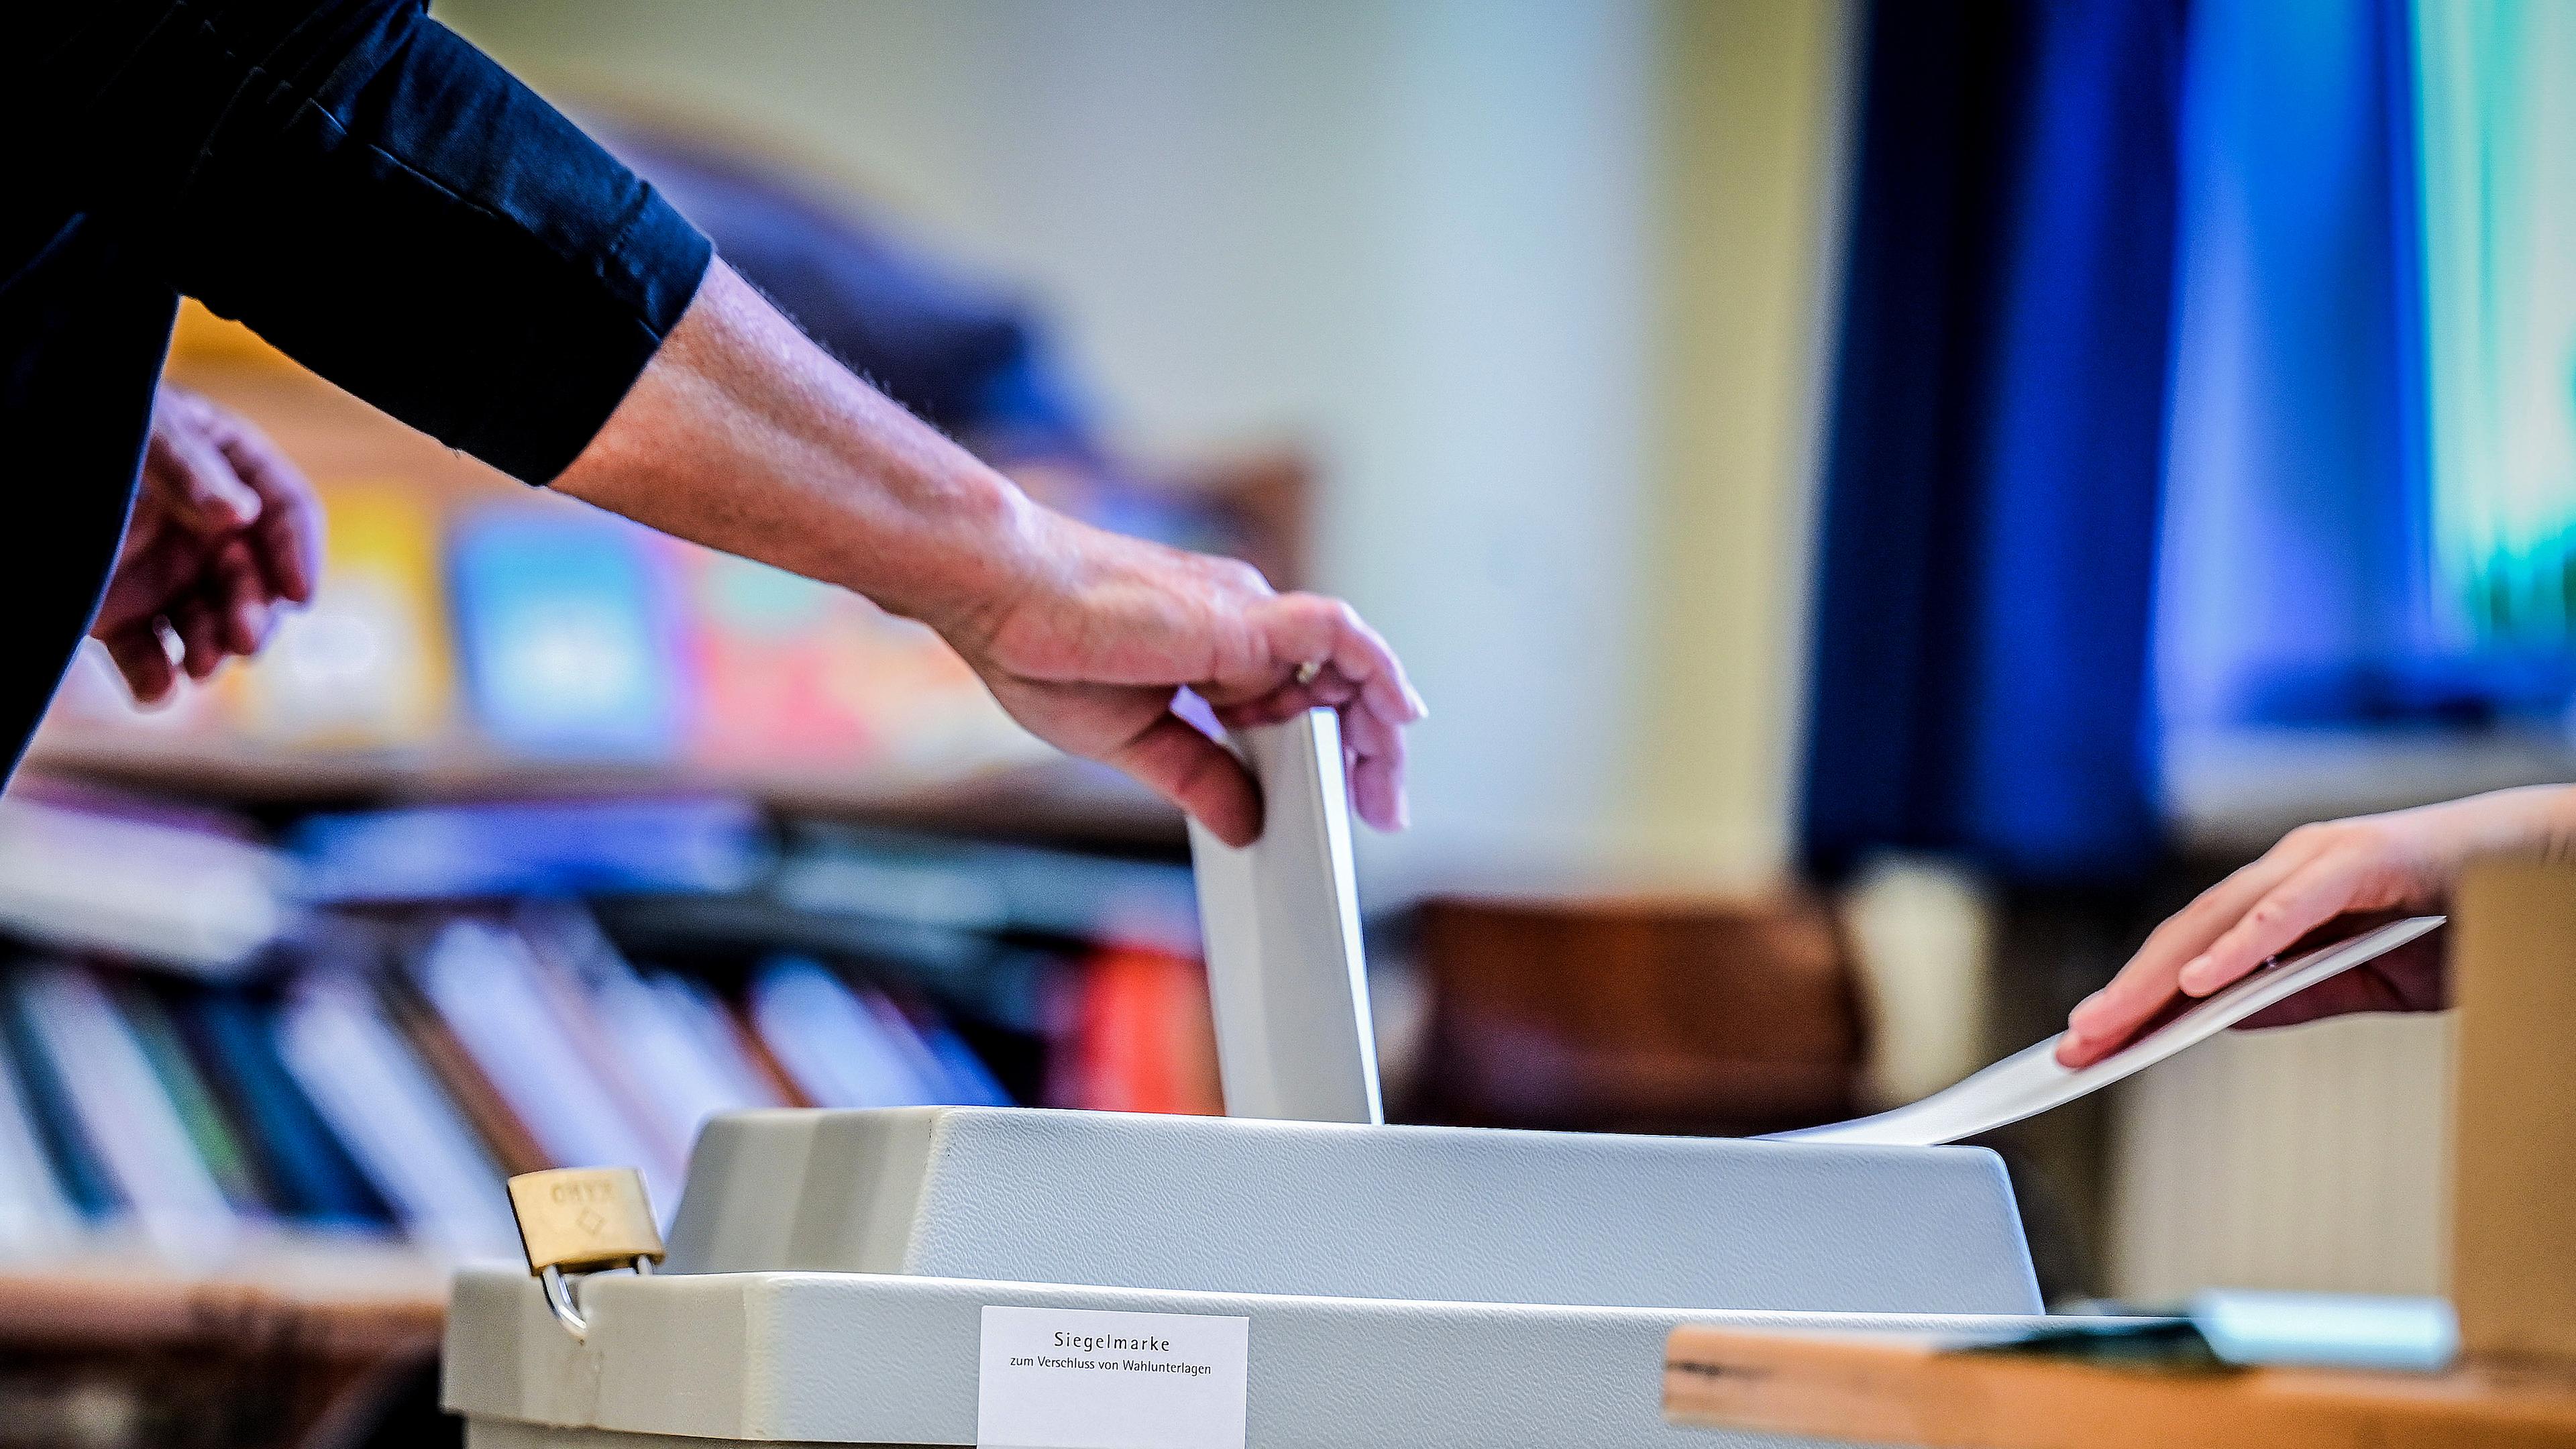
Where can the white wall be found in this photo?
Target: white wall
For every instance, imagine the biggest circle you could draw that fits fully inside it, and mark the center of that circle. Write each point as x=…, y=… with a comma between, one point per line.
x=1412, y=236
x=2315, y=1159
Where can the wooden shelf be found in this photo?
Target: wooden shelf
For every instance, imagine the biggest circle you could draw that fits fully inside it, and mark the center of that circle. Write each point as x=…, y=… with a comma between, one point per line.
x=290, y=1343
x=1056, y=799
x=384, y=1303
x=1919, y=1390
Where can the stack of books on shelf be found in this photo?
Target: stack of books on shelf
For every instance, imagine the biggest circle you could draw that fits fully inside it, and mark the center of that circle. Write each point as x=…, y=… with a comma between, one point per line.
x=210, y=1039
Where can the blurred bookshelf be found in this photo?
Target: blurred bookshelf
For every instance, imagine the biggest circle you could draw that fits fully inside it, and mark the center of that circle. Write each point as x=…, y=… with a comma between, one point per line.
x=534, y=842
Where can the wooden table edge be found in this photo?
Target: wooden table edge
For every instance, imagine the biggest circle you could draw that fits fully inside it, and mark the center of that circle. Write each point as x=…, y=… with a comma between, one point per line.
x=1893, y=1389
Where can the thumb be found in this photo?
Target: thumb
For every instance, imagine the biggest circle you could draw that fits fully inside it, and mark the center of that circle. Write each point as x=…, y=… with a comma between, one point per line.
x=1175, y=760
x=205, y=493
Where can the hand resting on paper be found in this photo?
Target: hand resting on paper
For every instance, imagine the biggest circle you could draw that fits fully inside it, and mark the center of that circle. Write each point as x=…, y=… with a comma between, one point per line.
x=2321, y=883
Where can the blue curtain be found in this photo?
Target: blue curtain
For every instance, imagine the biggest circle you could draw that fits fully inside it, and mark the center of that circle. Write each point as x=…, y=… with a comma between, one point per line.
x=1988, y=539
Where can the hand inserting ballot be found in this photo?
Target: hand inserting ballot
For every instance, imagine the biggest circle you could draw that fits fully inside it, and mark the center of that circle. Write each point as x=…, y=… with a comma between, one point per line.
x=1087, y=654
x=743, y=435
x=2325, y=881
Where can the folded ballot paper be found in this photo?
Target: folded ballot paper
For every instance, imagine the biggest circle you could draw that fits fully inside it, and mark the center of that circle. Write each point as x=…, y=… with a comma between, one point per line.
x=2030, y=1081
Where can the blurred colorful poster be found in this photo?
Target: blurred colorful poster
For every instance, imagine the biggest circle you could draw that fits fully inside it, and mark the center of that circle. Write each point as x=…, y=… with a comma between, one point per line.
x=2496, y=95
x=367, y=664
x=796, y=673
x=567, y=630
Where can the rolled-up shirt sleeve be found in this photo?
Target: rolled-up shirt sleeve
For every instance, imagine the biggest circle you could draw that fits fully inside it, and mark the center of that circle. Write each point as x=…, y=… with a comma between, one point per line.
x=380, y=200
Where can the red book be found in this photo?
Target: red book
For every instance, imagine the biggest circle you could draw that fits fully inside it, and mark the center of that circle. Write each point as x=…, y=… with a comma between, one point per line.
x=1139, y=1036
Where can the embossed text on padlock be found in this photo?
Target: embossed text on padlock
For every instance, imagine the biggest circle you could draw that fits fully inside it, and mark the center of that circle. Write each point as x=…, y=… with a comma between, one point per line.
x=579, y=1219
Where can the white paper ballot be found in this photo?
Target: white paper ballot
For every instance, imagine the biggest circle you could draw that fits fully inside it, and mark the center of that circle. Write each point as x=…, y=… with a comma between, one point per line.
x=1281, y=918
x=2030, y=1082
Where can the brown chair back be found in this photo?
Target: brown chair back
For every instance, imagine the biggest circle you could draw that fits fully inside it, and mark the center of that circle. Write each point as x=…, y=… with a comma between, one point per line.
x=1705, y=1017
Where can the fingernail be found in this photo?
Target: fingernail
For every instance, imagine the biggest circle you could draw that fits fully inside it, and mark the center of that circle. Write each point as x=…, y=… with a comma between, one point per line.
x=2194, y=977
x=1421, y=710
x=223, y=510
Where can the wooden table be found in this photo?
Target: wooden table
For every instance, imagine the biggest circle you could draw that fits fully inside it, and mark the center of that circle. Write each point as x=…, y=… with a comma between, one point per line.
x=294, y=1349
x=1917, y=1391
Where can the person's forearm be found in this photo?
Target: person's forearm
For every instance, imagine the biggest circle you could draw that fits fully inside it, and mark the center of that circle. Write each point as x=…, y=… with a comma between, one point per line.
x=2535, y=819
x=745, y=436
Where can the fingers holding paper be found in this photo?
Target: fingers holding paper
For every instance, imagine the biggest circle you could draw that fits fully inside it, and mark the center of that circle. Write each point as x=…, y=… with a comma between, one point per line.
x=2413, y=977
x=1091, y=656
x=2327, y=881
x=1342, y=665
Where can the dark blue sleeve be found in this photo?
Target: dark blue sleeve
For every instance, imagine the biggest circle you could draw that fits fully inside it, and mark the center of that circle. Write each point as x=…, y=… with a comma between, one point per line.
x=377, y=198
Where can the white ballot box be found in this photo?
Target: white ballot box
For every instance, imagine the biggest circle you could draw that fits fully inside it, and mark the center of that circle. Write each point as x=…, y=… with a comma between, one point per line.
x=1295, y=1274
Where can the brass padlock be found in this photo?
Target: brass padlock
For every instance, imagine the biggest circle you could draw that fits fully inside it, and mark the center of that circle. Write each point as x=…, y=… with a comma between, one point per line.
x=578, y=1220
